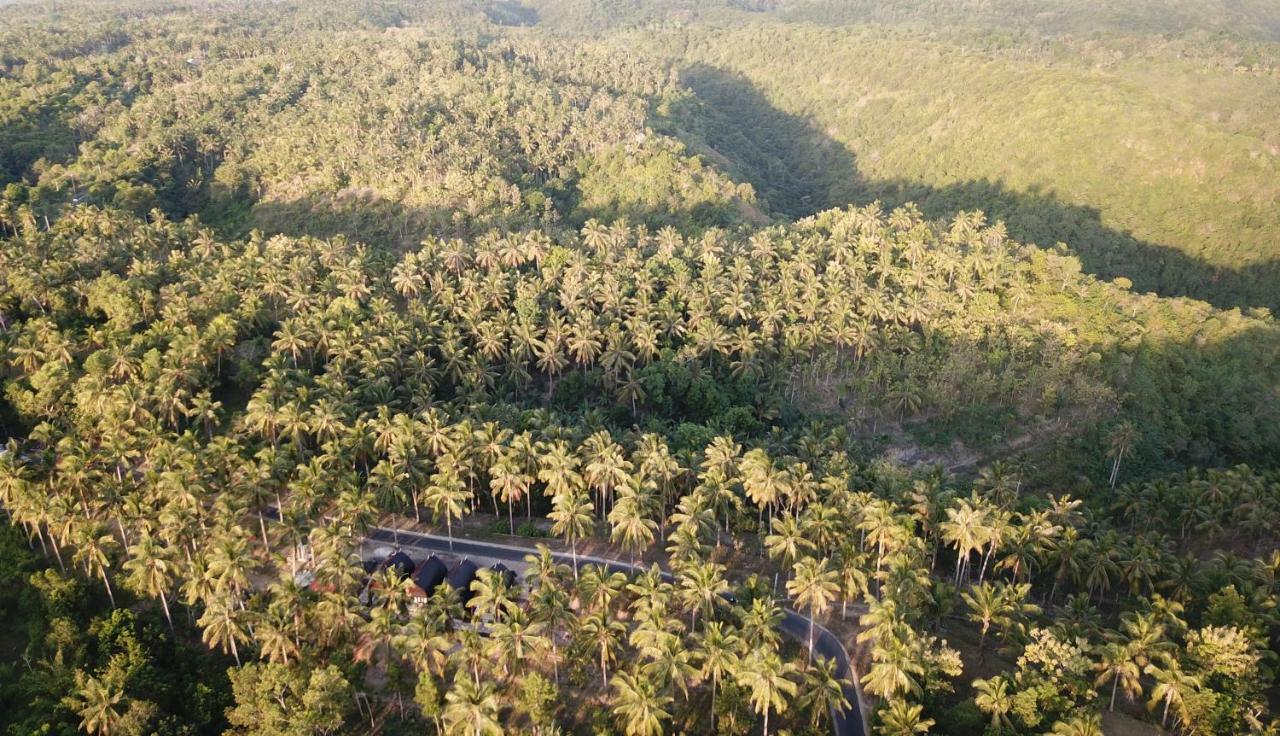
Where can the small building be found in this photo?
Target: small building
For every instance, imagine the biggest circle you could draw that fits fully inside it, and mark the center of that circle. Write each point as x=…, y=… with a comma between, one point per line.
x=398, y=561
x=460, y=579
x=505, y=574
x=428, y=577
x=395, y=561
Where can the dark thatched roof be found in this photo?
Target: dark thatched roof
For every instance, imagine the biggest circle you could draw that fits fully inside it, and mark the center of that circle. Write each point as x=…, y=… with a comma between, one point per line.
x=460, y=578
x=430, y=574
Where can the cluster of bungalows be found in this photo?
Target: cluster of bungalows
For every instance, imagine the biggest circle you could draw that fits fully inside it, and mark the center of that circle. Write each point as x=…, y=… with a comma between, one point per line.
x=429, y=575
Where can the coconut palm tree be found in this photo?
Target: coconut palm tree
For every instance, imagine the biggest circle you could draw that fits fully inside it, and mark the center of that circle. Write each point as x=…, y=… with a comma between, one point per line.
x=1144, y=634
x=882, y=528
x=1170, y=691
x=692, y=520
x=542, y=569
x=598, y=588
x=760, y=622
x=768, y=681
x=490, y=597
x=718, y=649
x=700, y=586
x=994, y=697
x=97, y=704
x=150, y=571
x=854, y=583
x=902, y=718
x=762, y=481
x=1086, y=725
x=815, y=586
x=894, y=670
x=963, y=529
x=550, y=605
x=223, y=627
x=1118, y=666
x=516, y=640
x=604, y=634
x=572, y=518
x=424, y=644
x=669, y=661
x=1102, y=567
x=1118, y=443
x=606, y=469
x=471, y=709
x=787, y=541
x=822, y=692
x=230, y=563
x=638, y=708
x=94, y=546
x=447, y=497
x=558, y=468
x=632, y=530
x=509, y=483
x=271, y=633
x=1000, y=603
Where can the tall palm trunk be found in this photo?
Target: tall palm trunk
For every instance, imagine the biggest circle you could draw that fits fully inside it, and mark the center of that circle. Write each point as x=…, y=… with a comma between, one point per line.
x=262, y=526
x=57, y=554
x=811, y=637
x=985, y=559
x=107, y=581
x=124, y=534
x=573, y=549
x=164, y=603
x=714, y=682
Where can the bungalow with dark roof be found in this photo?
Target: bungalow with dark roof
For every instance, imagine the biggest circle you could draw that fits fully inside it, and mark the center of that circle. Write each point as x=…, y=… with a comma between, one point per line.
x=428, y=577
x=400, y=562
x=505, y=574
x=460, y=579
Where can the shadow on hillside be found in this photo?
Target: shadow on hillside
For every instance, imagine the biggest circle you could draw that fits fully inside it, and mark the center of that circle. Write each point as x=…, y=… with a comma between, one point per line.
x=798, y=169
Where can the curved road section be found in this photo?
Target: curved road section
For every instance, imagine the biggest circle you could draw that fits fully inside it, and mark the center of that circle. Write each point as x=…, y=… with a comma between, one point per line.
x=843, y=723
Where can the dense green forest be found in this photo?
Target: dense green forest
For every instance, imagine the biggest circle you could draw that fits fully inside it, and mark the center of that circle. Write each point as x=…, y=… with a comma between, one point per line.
x=1154, y=161
x=1244, y=19
x=941, y=328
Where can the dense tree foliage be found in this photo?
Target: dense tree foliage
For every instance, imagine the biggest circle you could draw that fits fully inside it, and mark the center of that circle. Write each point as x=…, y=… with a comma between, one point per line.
x=1152, y=160
x=274, y=278
x=82, y=665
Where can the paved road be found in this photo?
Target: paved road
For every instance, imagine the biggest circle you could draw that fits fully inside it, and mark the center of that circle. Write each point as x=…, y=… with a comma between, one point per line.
x=795, y=625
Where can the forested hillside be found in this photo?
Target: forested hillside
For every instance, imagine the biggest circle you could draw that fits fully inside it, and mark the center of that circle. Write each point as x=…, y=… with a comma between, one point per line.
x=1250, y=19
x=1240, y=18
x=864, y=372
x=1154, y=161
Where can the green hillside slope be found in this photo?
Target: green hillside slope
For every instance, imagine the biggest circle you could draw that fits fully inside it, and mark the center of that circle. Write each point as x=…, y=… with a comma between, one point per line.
x=1163, y=168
